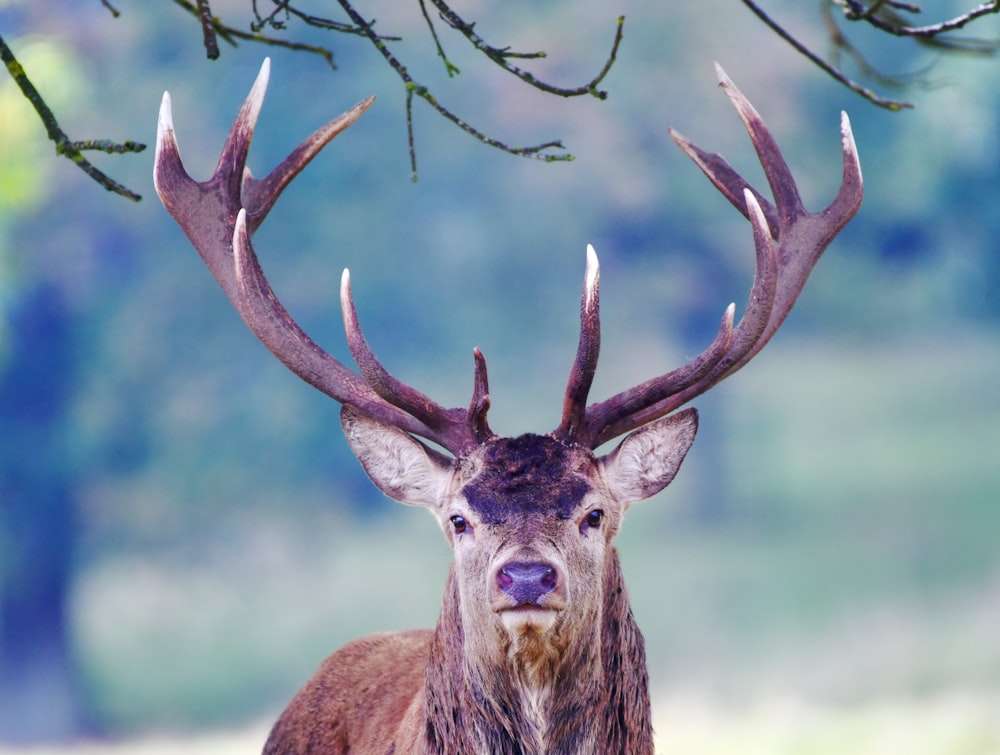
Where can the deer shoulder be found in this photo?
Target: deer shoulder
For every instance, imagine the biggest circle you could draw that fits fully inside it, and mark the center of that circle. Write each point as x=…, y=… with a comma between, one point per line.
x=369, y=687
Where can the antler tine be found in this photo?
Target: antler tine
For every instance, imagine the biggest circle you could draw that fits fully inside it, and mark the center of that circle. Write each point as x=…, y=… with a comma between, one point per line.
x=455, y=429
x=776, y=171
x=654, y=398
x=788, y=240
x=659, y=396
x=480, y=403
x=265, y=315
x=174, y=186
x=232, y=166
x=588, y=350
x=220, y=214
x=801, y=236
x=206, y=211
x=259, y=196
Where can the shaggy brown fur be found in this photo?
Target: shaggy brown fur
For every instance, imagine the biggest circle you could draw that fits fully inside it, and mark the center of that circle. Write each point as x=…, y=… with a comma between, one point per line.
x=409, y=692
x=555, y=668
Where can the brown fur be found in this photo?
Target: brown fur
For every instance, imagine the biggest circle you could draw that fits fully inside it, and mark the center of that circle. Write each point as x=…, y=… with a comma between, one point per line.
x=351, y=704
x=409, y=692
x=562, y=672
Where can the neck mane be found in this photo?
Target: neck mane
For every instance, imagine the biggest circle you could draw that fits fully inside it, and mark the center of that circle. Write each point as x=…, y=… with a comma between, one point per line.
x=590, y=696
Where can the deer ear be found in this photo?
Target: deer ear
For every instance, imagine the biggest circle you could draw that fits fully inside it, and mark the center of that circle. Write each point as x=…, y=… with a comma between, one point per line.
x=647, y=460
x=402, y=467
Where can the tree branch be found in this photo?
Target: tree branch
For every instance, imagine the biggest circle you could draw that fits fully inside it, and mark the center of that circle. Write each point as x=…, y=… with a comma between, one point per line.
x=886, y=16
x=881, y=15
x=231, y=34
x=283, y=10
x=64, y=146
x=415, y=88
x=501, y=56
x=208, y=29
x=285, y=6
x=854, y=86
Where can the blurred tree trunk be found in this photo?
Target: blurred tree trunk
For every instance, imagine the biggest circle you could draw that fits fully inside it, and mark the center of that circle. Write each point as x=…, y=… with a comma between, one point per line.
x=40, y=696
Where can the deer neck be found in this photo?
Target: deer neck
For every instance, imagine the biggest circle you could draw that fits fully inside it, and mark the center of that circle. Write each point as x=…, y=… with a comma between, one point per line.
x=582, y=694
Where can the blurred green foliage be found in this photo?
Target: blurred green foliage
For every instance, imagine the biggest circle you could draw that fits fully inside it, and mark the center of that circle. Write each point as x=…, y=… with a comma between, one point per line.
x=831, y=537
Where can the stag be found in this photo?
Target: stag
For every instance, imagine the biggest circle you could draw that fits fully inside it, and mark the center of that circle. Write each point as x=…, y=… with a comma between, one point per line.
x=536, y=649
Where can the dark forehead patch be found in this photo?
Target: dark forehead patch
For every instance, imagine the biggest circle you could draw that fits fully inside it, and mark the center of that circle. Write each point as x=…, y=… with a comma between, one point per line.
x=525, y=475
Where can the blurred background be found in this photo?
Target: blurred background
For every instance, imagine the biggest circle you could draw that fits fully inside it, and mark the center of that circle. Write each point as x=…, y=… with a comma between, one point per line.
x=184, y=533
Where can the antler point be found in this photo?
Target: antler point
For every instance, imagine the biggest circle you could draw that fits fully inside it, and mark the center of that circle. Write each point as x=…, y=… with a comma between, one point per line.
x=255, y=99
x=722, y=76
x=239, y=233
x=345, y=287
x=164, y=123
x=753, y=208
x=592, y=279
x=165, y=114
x=728, y=318
x=846, y=132
x=167, y=166
x=850, y=147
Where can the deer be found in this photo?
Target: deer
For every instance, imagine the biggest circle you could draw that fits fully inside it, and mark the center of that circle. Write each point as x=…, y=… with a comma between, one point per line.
x=536, y=649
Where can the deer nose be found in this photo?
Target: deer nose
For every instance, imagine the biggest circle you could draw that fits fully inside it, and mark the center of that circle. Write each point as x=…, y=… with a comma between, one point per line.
x=527, y=582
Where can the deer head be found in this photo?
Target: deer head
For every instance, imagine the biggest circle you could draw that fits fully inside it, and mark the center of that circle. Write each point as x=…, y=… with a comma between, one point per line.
x=535, y=628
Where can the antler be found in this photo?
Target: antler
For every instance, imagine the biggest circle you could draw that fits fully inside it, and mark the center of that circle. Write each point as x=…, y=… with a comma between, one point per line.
x=219, y=216
x=789, y=241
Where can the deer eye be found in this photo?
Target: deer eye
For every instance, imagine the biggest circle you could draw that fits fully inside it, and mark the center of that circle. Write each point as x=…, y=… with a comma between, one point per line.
x=460, y=524
x=592, y=520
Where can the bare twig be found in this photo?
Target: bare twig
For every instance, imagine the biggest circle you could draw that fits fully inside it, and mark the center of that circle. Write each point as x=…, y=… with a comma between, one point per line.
x=413, y=87
x=286, y=8
x=208, y=29
x=448, y=65
x=64, y=146
x=282, y=10
x=231, y=34
x=841, y=43
x=886, y=16
x=502, y=56
x=880, y=15
x=854, y=86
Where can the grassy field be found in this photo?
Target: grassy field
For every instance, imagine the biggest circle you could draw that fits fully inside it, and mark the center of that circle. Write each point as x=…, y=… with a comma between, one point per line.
x=956, y=724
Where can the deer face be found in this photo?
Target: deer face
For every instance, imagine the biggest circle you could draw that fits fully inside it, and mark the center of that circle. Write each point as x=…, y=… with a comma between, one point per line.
x=530, y=519
x=530, y=522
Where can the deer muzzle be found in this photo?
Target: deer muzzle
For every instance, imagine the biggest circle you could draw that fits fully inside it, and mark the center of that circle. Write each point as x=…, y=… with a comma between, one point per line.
x=527, y=583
